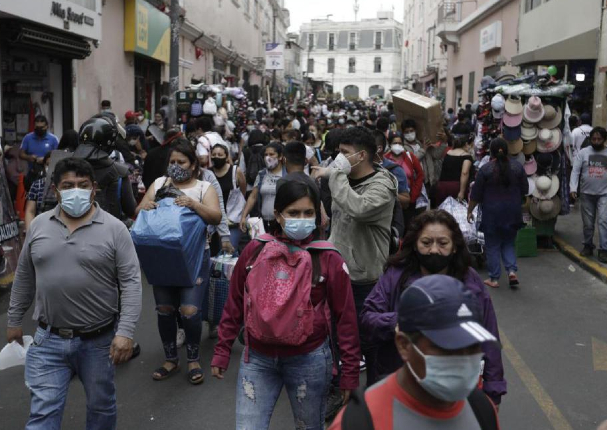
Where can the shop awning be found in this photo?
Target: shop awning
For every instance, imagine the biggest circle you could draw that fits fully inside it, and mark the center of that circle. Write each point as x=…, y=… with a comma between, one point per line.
x=580, y=47
x=427, y=78
x=30, y=36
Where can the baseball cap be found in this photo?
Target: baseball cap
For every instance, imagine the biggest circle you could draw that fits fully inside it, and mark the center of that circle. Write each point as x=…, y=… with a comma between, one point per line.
x=131, y=114
x=498, y=105
x=444, y=311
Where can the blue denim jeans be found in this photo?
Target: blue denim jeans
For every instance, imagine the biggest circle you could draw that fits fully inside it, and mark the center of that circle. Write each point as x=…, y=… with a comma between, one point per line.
x=499, y=245
x=50, y=364
x=306, y=377
x=235, y=234
x=594, y=207
x=171, y=299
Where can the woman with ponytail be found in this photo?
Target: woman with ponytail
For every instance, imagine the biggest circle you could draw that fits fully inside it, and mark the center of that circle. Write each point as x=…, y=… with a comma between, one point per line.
x=499, y=188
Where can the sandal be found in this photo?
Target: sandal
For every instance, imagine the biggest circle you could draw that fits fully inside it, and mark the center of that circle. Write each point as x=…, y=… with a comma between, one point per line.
x=491, y=283
x=163, y=373
x=513, y=280
x=196, y=376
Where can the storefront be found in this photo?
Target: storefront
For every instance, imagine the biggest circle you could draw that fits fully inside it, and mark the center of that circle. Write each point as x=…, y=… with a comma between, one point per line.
x=38, y=41
x=147, y=34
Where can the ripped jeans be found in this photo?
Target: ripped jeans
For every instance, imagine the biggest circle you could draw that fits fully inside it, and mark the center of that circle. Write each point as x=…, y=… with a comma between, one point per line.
x=186, y=300
x=306, y=377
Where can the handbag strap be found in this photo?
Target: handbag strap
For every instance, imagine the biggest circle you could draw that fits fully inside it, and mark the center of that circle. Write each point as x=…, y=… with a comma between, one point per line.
x=234, y=183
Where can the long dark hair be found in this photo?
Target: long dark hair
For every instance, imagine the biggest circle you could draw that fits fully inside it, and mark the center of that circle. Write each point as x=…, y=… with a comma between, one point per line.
x=499, y=151
x=407, y=259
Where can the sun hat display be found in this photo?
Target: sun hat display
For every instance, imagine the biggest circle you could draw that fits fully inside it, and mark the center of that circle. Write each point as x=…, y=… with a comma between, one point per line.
x=544, y=210
x=530, y=166
x=514, y=106
x=528, y=131
x=531, y=182
x=546, y=187
x=519, y=158
x=512, y=120
x=498, y=105
x=529, y=147
x=549, y=140
x=548, y=162
x=515, y=146
x=552, y=117
x=511, y=133
x=534, y=110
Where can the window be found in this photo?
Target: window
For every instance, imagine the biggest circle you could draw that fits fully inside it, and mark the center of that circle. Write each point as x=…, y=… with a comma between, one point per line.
x=247, y=6
x=297, y=58
x=310, y=65
x=331, y=65
x=352, y=65
x=471, y=87
x=532, y=4
x=352, y=45
x=377, y=65
x=378, y=40
x=256, y=13
x=331, y=41
x=311, y=41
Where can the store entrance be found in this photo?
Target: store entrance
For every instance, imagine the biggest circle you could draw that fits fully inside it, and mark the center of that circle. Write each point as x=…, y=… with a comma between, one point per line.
x=147, y=85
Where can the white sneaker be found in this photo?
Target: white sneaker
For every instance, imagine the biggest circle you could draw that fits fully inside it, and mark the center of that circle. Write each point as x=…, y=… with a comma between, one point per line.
x=180, y=337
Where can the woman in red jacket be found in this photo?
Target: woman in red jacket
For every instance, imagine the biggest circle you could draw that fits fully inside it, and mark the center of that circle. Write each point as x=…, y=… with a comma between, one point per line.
x=305, y=369
x=412, y=167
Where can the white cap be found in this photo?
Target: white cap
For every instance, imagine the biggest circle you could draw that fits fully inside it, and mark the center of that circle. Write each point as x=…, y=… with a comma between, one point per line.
x=498, y=105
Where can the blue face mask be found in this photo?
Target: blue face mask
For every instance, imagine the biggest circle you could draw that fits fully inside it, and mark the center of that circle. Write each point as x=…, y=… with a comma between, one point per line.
x=449, y=378
x=299, y=228
x=76, y=202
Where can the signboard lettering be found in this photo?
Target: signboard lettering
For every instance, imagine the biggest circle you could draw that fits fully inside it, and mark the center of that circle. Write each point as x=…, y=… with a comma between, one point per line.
x=9, y=230
x=69, y=15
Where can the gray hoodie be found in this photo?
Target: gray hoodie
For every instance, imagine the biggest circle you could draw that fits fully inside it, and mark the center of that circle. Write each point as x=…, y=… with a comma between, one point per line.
x=360, y=226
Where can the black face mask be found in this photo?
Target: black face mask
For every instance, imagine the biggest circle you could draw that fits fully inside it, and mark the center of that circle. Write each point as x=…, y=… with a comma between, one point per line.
x=219, y=162
x=599, y=147
x=434, y=263
x=39, y=131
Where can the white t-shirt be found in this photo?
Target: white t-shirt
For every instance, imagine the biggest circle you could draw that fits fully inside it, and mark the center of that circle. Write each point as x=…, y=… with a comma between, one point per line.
x=578, y=135
x=197, y=192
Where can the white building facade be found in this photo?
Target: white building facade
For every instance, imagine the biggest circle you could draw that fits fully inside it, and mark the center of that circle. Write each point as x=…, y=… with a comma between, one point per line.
x=357, y=59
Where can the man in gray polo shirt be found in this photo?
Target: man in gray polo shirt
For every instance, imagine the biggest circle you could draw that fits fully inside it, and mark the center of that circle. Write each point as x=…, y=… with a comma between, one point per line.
x=79, y=265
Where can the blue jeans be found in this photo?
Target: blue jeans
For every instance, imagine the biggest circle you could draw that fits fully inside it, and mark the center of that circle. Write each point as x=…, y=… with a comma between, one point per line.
x=594, y=207
x=235, y=234
x=168, y=300
x=499, y=245
x=306, y=377
x=50, y=364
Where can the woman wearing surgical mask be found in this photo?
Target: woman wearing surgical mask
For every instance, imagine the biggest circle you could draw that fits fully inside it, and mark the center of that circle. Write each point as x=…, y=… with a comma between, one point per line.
x=264, y=188
x=412, y=167
x=267, y=366
x=434, y=244
x=202, y=198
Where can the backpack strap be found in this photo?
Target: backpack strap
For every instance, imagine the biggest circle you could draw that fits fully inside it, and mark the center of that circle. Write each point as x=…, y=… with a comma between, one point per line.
x=321, y=245
x=265, y=238
x=357, y=415
x=484, y=410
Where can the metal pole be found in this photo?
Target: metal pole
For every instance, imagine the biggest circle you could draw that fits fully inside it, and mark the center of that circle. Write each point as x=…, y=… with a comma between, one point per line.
x=274, y=41
x=174, y=62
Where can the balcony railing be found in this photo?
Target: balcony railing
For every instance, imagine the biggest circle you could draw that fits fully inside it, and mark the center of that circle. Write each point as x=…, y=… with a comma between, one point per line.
x=449, y=11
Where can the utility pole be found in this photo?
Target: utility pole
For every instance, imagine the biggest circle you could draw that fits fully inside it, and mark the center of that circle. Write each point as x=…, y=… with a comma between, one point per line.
x=174, y=62
x=274, y=41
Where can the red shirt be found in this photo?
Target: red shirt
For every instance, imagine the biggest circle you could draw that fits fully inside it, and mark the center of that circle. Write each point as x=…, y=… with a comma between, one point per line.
x=335, y=288
x=413, y=170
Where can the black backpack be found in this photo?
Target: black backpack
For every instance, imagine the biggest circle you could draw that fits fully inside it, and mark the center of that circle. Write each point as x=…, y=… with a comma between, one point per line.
x=358, y=417
x=254, y=162
x=109, y=181
x=397, y=228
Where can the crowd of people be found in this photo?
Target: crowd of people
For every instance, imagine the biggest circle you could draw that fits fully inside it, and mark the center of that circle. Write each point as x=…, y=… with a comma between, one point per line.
x=358, y=269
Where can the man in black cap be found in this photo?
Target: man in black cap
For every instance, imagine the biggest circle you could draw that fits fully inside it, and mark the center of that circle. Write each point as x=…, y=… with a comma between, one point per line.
x=439, y=338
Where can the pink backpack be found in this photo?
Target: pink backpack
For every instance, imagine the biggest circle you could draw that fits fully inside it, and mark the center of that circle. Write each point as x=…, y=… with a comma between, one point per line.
x=277, y=305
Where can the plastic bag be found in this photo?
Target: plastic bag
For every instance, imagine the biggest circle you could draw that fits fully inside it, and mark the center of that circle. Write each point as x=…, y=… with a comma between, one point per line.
x=255, y=227
x=170, y=243
x=459, y=211
x=13, y=354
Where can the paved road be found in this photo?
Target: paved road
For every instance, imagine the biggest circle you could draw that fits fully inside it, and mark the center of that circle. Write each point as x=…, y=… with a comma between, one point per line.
x=548, y=328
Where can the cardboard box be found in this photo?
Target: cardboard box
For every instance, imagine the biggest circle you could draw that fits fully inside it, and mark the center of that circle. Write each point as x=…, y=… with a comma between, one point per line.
x=426, y=112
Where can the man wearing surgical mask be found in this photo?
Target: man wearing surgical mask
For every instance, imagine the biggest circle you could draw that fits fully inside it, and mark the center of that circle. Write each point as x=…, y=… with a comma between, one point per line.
x=37, y=144
x=439, y=338
x=363, y=195
x=72, y=254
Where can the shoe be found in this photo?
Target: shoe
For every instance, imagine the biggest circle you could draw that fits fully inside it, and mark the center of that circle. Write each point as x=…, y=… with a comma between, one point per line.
x=213, y=332
x=363, y=365
x=513, y=280
x=180, y=337
x=334, y=403
x=586, y=251
x=493, y=283
x=136, y=350
x=603, y=256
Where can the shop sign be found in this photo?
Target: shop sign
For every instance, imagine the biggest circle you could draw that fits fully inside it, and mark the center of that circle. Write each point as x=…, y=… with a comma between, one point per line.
x=275, y=58
x=147, y=31
x=491, y=37
x=9, y=230
x=78, y=17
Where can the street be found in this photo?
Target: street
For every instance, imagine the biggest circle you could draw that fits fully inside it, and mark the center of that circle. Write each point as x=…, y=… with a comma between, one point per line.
x=550, y=328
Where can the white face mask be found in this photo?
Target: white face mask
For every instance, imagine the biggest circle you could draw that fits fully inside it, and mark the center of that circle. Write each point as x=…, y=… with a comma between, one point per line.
x=397, y=149
x=410, y=137
x=342, y=163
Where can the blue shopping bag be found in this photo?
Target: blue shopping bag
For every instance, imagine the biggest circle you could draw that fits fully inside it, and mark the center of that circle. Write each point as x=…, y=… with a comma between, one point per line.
x=170, y=242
